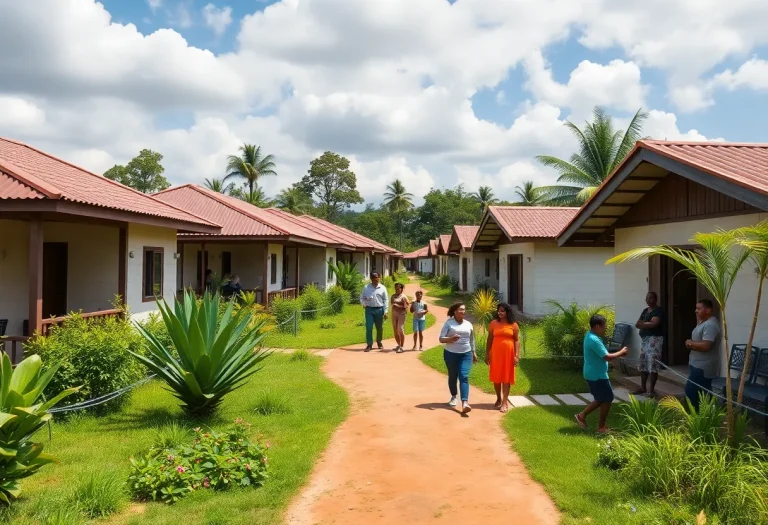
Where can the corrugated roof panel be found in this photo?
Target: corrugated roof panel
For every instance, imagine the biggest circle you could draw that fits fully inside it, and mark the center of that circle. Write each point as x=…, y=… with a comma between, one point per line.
x=11, y=188
x=532, y=221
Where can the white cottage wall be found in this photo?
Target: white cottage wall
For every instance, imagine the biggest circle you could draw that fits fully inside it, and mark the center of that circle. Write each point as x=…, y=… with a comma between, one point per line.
x=140, y=237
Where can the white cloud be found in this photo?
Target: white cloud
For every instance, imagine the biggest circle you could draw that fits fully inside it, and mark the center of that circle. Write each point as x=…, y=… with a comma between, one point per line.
x=373, y=177
x=752, y=74
x=663, y=126
x=180, y=16
x=154, y=5
x=218, y=19
x=18, y=113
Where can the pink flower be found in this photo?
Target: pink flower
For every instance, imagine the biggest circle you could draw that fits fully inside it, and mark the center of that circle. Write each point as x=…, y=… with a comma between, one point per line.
x=197, y=429
x=180, y=469
x=170, y=457
x=239, y=420
x=247, y=467
x=206, y=483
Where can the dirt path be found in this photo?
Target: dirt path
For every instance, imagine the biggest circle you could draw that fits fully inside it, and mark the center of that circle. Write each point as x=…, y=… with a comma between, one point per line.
x=404, y=456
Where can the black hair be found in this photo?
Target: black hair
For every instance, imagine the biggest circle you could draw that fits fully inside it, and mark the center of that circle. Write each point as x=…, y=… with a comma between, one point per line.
x=654, y=294
x=452, y=309
x=401, y=285
x=706, y=303
x=208, y=271
x=508, y=309
x=596, y=320
x=376, y=274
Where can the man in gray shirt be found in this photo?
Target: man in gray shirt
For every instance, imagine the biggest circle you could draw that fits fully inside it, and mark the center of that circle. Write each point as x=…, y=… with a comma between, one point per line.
x=704, y=344
x=375, y=300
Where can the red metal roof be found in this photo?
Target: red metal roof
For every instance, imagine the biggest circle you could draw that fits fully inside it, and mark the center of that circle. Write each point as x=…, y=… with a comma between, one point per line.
x=742, y=164
x=359, y=241
x=416, y=254
x=532, y=221
x=442, y=243
x=309, y=223
x=432, y=248
x=28, y=173
x=233, y=220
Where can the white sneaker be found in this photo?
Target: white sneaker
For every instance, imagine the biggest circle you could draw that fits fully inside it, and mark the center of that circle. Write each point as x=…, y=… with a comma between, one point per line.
x=453, y=402
x=466, y=409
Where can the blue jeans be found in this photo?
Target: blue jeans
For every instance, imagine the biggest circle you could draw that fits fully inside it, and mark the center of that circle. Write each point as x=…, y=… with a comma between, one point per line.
x=692, y=392
x=459, y=366
x=373, y=316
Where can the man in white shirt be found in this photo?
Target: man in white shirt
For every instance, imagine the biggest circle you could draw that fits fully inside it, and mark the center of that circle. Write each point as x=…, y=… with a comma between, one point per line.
x=375, y=300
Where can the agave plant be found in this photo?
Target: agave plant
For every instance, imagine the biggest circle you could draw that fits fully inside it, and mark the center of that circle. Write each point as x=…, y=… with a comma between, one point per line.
x=348, y=277
x=20, y=417
x=215, y=355
x=483, y=305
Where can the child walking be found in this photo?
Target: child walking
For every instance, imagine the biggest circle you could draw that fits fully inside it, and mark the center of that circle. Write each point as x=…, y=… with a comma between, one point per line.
x=419, y=310
x=596, y=358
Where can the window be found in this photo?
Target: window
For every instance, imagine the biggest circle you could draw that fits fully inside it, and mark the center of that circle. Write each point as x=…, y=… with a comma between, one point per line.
x=487, y=267
x=153, y=274
x=497, y=269
x=330, y=271
x=273, y=268
x=226, y=263
x=200, y=270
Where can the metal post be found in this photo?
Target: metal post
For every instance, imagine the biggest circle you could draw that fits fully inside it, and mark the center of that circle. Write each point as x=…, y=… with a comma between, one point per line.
x=295, y=323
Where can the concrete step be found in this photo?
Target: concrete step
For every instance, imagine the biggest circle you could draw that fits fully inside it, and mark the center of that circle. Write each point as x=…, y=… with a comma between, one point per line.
x=663, y=387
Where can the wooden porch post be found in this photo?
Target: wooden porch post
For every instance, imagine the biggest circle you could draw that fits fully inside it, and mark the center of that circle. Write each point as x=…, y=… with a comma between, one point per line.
x=265, y=294
x=297, y=271
x=122, y=270
x=203, y=268
x=35, y=277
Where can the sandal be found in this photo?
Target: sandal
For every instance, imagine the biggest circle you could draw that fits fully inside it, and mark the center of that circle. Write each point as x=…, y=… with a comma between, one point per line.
x=504, y=409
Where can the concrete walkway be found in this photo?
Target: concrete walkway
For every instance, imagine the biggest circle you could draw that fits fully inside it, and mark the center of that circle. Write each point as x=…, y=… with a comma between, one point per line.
x=404, y=456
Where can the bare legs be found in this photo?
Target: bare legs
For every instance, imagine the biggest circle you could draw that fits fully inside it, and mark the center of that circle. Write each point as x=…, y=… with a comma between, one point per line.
x=605, y=408
x=497, y=388
x=644, y=376
x=417, y=337
x=502, y=396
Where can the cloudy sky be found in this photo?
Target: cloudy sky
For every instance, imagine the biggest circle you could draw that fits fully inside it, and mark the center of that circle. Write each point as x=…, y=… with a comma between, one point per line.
x=433, y=92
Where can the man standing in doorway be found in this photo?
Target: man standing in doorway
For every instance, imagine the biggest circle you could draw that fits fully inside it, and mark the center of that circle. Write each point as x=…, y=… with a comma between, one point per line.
x=375, y=301
x=704, y=344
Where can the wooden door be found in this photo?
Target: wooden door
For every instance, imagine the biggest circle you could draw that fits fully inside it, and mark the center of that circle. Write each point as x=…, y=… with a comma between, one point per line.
x=55, y=262
x=683, y=289
x=464, y=272
x=515, y=281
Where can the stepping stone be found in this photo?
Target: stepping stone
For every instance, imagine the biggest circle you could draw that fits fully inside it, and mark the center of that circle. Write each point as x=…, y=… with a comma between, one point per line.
x=545, y=400
x=570, y=399
x=621, y=393
x=521, y=401
x=588, y=397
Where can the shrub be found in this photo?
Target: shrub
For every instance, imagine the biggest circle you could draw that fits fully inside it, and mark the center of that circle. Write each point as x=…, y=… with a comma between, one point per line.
x=171, y=435
x=389, y=284
x=99, y=494
x=564, y=329
x=154, y=324
x=286, y=311
x=642, y=416
x=312, y=300
x=214, y=460
x=327, y=326
x=337, y=298
x=657, y=462
x=95, y=354
x=704, y=424
x=301, y=355
x=349, y=278
x=481, y=338
x=267, y=404
x=483, y=306
x=215, y=356
x=611, y=455
x=21, y=415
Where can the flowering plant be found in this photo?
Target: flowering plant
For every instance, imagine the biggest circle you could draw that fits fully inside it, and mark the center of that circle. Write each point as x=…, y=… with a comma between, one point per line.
x=214, y=460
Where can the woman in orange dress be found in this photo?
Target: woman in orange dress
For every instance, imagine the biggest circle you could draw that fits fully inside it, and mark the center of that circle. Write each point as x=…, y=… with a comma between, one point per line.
x=502, y=353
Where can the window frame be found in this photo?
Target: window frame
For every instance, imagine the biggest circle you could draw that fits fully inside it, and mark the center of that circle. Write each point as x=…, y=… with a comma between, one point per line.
x=226, y=257
x=330, y=270
x=154, y=250
x=272, y=268
x=487, y=267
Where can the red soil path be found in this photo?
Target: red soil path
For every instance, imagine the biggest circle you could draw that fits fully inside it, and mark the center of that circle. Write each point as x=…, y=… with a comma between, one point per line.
x=403, y=456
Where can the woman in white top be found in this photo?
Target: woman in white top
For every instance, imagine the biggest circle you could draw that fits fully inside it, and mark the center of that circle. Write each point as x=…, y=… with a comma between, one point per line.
x=458, y=336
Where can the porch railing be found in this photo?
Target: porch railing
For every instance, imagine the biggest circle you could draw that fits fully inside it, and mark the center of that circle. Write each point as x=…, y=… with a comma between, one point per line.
x=55, y=321
x=12, y=345
x=285, y=293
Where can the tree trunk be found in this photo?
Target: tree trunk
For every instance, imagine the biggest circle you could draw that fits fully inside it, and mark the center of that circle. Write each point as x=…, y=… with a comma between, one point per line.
x=748, y=351
x=728, y=387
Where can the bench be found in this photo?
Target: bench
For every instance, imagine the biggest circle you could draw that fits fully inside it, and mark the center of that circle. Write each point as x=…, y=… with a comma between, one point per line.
x=621, y=334
x=753, y=391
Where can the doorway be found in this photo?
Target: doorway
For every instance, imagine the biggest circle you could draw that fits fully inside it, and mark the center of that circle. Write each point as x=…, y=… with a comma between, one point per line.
x=464, y=272
x=515, y=281
x=678, y=291
x=55, y=259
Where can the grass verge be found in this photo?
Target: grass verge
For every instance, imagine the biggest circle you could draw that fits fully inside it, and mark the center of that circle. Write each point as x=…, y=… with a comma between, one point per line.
x=344, y=329
x=562, y=457
x=298, y=426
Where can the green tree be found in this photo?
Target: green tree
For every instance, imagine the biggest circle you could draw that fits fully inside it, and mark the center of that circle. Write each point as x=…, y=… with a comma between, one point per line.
x=398, y=201
x=601, y=150
x=528, y=194
x=485, y=197
x=442, y=209
x=375, y=223
x=255, y=196
x=219, y=186
x=144, y=173
x=294, y=200
x=332, y=185
x=250, y=165
x=715, y=263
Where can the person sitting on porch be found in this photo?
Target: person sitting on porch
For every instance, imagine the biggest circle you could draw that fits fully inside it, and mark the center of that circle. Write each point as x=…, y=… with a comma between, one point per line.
x=704, y=361
x=233, y=287
x=375, y=300
x=652, y=337
x=596, y=358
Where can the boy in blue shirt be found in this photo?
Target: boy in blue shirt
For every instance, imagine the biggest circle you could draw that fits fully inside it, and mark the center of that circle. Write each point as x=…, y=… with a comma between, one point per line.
x=596, y=358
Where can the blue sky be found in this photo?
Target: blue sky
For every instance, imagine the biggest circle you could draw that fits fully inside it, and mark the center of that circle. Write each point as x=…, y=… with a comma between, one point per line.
x=432, y=92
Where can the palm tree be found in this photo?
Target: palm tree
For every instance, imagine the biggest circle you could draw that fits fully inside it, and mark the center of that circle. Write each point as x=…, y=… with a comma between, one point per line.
x=484, y=196
x=294, y=200
x=398, y=201
x=219, y=186
x=715, y=263
x=251, y=165
x=255, y=196
x=601, y=150
x=528, y=194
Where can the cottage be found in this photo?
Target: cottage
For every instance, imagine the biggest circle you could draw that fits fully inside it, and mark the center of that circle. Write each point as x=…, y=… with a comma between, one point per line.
x=448, y=261
x=432, y=254
x=530, y=268
x=461, y=243
x=663, y=193
x=71, y=240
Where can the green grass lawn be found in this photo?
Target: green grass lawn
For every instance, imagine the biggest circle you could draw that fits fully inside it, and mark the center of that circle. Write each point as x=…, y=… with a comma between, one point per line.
x=562, y=457
x=444, y=297
x=315, y=406
x=535, y=374
x=348, y=329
